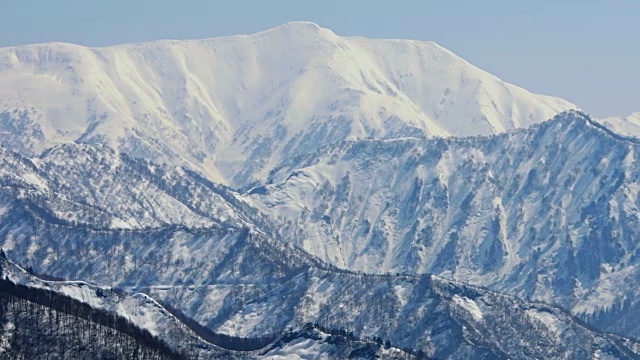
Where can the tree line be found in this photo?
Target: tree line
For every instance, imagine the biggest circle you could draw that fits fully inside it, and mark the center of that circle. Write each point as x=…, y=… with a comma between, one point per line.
x=53, y=325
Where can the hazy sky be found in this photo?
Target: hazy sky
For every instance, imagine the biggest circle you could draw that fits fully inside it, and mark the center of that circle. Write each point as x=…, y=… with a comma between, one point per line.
x=585, y=51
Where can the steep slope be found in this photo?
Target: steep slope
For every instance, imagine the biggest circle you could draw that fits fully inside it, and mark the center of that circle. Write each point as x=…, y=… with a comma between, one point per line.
x=625, y=125
x=173, y=229
x=428, y=316
x=548, y=213
x=34, y=331
x=234, y=278
x=97, y=187
x=234, y=107
x=76, y=320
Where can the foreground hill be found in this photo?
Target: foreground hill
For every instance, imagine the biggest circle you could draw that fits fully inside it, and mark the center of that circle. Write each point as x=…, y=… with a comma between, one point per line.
x=318, y=313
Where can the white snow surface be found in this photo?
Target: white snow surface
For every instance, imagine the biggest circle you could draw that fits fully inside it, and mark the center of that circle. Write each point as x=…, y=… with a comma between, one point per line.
x=299, y=349
x=624, y=125
x=234, y=107
x=469, y=305
x=550, y=321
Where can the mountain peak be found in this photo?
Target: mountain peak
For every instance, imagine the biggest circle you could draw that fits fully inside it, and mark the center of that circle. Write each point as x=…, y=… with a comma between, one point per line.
x=624, y=125
x=234, y=107
x=298, y=28
x=300, y=25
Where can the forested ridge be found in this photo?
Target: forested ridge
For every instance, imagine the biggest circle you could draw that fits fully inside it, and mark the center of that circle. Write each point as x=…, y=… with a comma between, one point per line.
x=42, y=324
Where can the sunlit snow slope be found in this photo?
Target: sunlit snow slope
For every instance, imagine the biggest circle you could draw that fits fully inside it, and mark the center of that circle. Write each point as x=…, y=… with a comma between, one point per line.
x=625, y=125
x=234, y=107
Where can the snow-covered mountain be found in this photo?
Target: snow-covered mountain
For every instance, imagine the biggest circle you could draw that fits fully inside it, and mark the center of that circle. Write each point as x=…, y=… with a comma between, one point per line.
x=234, y=107
x=625, y=125
x=548, y=213
x=38, y=307
x=237, y=279
x=297, y=182
x=82, y=185
x=138, y=309
x=455, y=186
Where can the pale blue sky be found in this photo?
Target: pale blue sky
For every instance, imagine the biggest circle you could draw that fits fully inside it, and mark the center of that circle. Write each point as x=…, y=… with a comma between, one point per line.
x=585, y=51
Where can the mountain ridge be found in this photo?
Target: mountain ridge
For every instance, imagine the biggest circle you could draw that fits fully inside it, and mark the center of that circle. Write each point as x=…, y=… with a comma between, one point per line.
x=234, y=107
x=627, y=125
x=213, y=274
x=378, y=204
x=465, y=310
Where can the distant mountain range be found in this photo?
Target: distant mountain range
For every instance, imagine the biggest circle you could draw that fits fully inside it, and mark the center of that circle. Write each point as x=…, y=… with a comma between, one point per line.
x=627, y=125
x=235, y=107
x=321, y=194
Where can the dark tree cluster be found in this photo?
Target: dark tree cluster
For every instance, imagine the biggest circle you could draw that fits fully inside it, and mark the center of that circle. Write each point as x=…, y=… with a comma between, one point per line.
x=224, y=341
x=42, y=324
